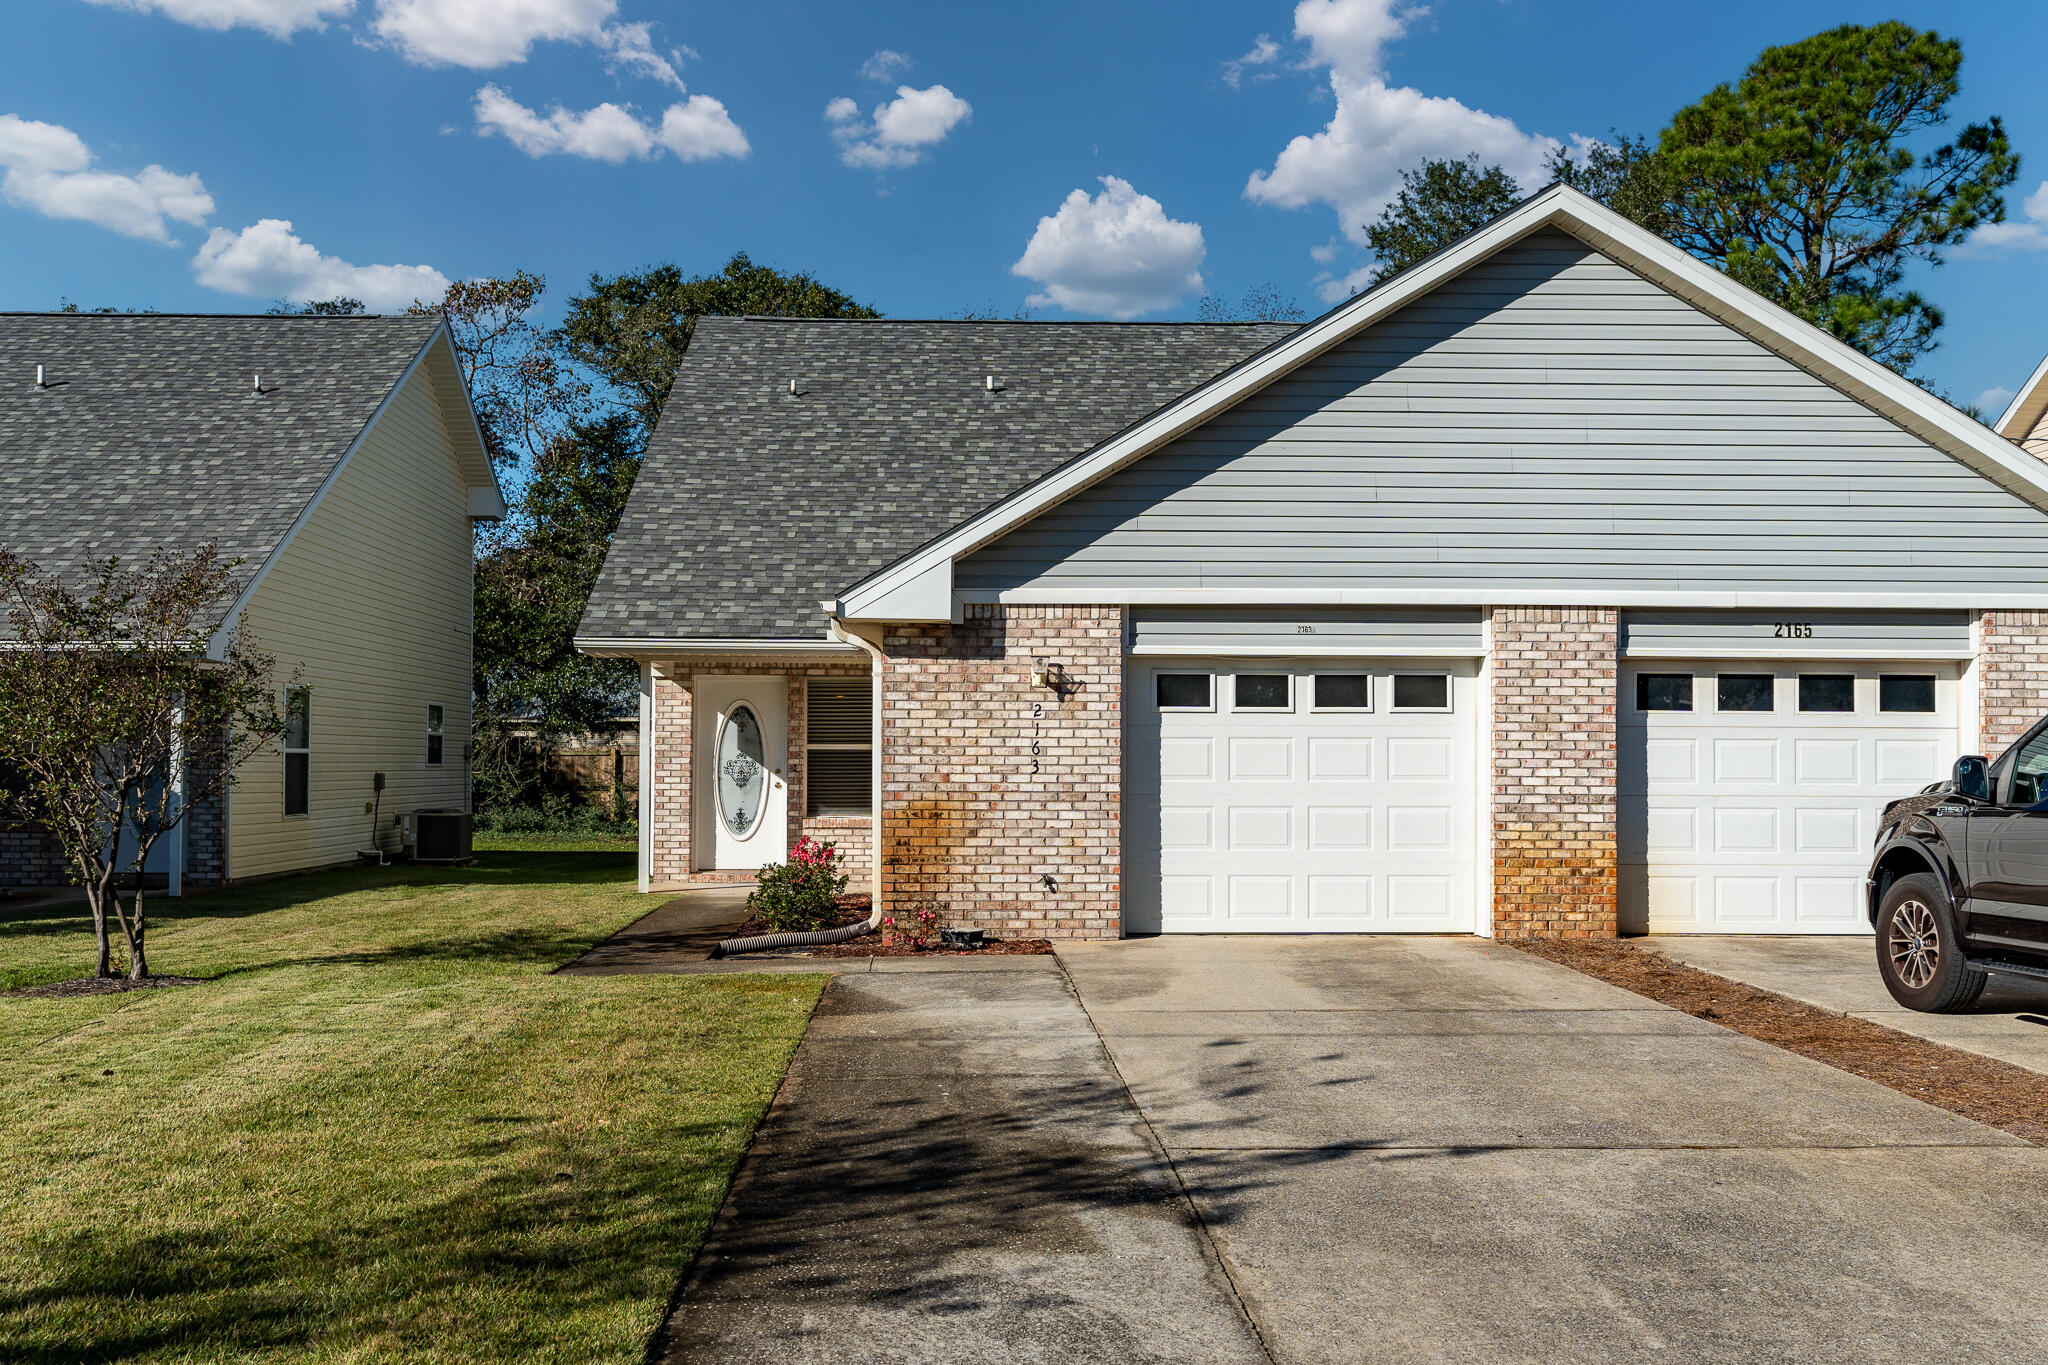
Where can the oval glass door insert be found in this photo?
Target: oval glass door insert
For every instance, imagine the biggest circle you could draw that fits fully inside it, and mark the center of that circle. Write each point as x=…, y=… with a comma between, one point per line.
x=742, y=771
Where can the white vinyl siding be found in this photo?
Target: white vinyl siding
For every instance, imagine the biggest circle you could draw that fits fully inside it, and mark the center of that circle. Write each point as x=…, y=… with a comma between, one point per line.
x=1547, y=420
x=370, y=603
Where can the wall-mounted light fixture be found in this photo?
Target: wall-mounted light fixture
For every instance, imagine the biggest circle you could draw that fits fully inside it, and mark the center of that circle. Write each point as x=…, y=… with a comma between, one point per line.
x=1046, y=673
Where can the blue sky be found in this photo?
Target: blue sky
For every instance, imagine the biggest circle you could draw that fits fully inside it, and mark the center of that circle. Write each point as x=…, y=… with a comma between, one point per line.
x=1095, y=159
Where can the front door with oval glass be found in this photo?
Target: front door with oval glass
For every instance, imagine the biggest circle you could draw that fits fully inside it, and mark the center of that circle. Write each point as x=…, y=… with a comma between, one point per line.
x=740, y=786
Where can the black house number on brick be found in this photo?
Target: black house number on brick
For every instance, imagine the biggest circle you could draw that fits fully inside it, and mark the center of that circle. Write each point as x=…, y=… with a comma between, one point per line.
x=1037, y=749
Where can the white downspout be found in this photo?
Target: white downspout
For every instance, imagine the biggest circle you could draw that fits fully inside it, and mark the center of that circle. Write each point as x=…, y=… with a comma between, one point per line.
x=646, y=764
x=839, y=632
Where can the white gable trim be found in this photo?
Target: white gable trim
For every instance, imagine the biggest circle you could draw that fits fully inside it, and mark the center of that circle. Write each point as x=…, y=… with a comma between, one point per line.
x=1832, y=361
x=2025, y=410
x=217, y=644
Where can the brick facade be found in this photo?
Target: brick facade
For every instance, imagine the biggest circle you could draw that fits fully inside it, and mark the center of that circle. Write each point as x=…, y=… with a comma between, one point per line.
x=2012, y=676
x=672, y=862
x=1554, y=674
x=1003, y=800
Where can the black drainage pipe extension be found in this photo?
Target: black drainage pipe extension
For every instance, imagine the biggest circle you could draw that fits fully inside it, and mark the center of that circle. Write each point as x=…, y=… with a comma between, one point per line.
x=762, y=943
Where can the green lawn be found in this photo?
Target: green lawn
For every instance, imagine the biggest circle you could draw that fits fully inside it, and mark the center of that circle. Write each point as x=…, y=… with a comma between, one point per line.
x=382, y=1132
x=540, y=841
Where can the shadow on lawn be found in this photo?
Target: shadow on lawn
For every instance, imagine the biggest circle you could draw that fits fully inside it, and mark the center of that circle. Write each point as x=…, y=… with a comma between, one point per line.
x=499, y=1270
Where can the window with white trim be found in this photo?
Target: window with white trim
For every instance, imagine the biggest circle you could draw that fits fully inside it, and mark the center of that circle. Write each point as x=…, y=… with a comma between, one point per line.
x=298, y=751
x=839, y=746
x=436, y=718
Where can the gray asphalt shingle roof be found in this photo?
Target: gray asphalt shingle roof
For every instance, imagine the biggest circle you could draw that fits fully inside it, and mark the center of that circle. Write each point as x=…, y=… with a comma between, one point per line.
x=150, y=436
x=754, y=505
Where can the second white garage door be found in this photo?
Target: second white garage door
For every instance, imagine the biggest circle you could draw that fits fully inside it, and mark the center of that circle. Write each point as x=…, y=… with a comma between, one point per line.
x=1750, y=792
x=1281, y=797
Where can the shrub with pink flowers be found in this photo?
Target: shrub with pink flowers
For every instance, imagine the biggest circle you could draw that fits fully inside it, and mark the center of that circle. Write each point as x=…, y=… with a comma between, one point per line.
x=801, y=894
x=918, y=929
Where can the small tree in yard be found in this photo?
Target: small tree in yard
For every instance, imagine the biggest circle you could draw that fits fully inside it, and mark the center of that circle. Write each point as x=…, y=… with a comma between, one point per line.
x=115, y=722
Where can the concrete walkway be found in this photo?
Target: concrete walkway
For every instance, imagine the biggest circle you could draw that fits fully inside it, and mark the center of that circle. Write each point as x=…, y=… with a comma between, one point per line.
x=1839, y=973
x=952, y=1173
x=1429, y=1149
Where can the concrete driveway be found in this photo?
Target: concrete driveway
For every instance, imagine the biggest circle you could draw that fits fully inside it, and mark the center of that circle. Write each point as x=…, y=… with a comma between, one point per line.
x=1249, y=1150
x=1839, y=973
x=1440, y=1149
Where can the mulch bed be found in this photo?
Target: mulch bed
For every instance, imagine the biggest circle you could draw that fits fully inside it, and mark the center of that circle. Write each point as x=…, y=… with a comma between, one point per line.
x=93, y=985
x=873, y=946
x=852, y=910
x=1998, y=1094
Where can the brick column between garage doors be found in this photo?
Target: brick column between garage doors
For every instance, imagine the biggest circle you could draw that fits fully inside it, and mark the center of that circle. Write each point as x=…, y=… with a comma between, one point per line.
x=968, y=827
x=1554, y=673
x=2012, y=676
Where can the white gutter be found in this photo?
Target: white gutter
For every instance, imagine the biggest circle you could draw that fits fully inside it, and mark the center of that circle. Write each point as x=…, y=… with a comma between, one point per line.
x=840, y=632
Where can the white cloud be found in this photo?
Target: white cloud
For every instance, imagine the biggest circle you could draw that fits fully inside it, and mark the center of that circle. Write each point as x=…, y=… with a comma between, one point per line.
x=630, y=47
x=2027, y=234
x=901, y=131
x=1992, y=402
x=1378, y=129
x=697, y=129
x=49, y=168
x=486, y=33
x=1116, y=253
x=278, y=18
x=268, y=260
x=884, y=66
x=1264, y=53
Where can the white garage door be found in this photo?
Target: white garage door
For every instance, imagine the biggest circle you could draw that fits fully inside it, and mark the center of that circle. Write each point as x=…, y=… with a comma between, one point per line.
x=1750, y=791
x=1277, y=797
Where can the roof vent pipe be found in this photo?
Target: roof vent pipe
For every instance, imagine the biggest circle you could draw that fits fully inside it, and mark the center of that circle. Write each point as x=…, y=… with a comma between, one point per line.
x=39, y=378
x=792, y=388
x=259, y=384
x=993, y=387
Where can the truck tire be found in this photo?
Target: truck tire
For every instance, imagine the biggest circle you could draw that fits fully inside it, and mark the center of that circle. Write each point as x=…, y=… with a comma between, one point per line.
x=1919, y=953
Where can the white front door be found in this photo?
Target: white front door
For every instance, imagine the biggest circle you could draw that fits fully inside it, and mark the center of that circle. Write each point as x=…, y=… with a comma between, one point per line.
x=1301, y=797
x=740, y=790
x=1749, y=792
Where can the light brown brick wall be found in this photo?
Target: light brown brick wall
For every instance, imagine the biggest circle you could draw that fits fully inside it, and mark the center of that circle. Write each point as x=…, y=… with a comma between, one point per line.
x=1553, y=675
x=2012, y=676
x=671, y=860
x=968, y=826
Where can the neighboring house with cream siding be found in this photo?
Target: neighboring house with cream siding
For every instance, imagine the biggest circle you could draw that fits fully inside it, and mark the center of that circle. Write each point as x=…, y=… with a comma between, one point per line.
x=2025, y=419
x=339, y=460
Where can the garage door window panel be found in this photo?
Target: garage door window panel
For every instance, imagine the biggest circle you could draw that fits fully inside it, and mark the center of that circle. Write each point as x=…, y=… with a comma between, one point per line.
x=1262, y=692
x=1663, y=691
x=1422, y=692
x=1906, y=693
x=1184, y=692
x=1827, y=693
x=1746, y=692
x=1342, y=692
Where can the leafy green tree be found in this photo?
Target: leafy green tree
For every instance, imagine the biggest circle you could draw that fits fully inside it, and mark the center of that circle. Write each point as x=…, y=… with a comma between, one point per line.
x=340, y=306
x=1440, y=201
x=632, y=330
x=526, y=394
x=1261, y=303
x=1622, y=173
x=1796, y=180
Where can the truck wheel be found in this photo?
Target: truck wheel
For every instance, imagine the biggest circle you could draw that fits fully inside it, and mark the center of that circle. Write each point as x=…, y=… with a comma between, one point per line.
x=1919, y=953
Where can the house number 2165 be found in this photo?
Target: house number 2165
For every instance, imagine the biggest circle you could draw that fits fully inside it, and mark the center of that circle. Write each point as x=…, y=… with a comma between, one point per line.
x=1793, y=630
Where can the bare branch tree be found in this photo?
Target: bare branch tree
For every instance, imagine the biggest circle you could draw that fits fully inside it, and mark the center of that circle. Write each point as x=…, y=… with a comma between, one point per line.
x=116, y=720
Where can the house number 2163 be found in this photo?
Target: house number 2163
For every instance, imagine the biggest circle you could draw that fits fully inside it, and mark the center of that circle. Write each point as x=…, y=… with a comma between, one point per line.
x=1037, y=716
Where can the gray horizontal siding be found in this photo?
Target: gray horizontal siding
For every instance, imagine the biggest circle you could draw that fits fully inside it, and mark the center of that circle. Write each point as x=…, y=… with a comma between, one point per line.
x=1547, y=420
x=1261, y=630
x=1647, y=634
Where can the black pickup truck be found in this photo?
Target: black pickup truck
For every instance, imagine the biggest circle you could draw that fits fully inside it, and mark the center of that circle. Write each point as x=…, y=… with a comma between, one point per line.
x=1959, y=886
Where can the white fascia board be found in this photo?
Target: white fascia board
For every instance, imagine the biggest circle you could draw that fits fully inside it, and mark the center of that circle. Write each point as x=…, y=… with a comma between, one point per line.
x=2023, y=412
x=486, y=500
x=659, y=648
x=1380, y=651
x=924, y=596
x=216, y=645
x=1798, y=341
x=1962, y=599
x=1737, y=651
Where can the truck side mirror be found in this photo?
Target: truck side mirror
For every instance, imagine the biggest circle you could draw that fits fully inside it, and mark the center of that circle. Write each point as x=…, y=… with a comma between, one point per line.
x=1973, y=777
